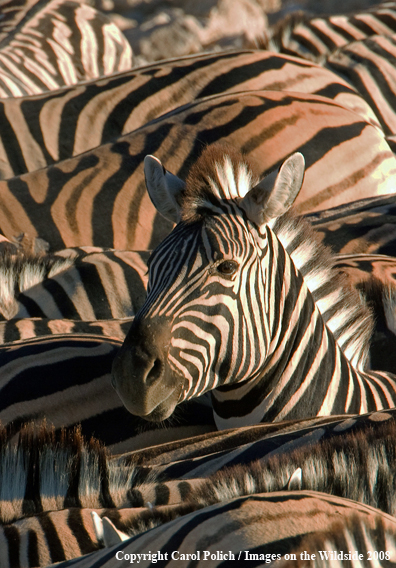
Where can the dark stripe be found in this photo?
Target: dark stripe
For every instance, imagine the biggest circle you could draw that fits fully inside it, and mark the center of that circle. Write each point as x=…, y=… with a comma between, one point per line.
x=11, y=145
x=33, y=548
x=55, y=547
x=76, y=525
x=162, y=494
x=12, y=537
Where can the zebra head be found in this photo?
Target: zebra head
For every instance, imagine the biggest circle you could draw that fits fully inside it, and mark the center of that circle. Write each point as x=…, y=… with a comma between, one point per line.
x=204, y=323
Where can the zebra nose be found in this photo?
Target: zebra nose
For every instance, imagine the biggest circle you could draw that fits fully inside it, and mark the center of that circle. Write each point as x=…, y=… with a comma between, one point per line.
x=155, y=372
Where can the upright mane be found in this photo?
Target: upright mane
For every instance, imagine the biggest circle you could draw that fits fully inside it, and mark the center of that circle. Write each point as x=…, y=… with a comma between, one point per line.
x=222, y=174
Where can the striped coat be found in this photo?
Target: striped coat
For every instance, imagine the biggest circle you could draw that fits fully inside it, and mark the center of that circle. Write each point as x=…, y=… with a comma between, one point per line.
x=41, y=130
x=244, y=310
x=48, y=45
x=99, y=198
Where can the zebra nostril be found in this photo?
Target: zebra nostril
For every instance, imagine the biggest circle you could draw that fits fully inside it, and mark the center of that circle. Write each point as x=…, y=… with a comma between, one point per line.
x=155, y=372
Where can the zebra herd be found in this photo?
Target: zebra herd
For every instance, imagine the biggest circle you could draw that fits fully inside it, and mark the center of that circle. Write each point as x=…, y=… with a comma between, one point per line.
x=229, y=398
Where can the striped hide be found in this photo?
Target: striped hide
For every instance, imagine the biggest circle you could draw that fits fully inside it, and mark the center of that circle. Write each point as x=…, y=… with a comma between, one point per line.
x=41, y=130
x=315, y=37
x=50, y=533
x=326, y=449
x=45, y=45
x=66, y=380
x=369, y=67
x=366, y=226
x=249, y=309
x=263, y=525
x=98, y=198
x=86, y=283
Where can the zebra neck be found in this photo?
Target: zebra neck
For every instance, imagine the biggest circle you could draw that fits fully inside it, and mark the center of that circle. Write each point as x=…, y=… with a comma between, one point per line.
x=305, y=372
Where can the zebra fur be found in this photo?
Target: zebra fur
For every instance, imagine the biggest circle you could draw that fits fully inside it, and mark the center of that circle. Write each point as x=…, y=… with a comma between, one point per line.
x=111, y=207
x=85, y=283
x=48, y=45
x=96, y=112
x=315, y=37
x=365, y=226
x=156, y=500
x=353, y=541
x=265, y=525
x=237, y=231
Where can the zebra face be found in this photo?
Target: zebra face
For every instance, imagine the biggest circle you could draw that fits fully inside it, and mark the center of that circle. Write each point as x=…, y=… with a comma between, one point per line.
x=199, y=310
x=204, y=324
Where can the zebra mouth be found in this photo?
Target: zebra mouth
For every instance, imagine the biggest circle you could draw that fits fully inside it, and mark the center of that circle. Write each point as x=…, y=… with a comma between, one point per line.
x=166, y=408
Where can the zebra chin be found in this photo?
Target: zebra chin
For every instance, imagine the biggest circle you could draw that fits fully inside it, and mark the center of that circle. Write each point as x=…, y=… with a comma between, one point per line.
x=161, y=412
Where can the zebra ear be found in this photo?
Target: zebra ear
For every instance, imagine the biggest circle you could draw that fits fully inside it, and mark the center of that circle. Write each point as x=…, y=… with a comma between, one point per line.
x=163, y=188
x=263, y=203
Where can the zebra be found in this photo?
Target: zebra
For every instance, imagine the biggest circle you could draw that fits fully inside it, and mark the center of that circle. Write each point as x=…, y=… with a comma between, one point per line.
x=364, y=226
x=87, y=282
x=41, y=130
x=371, y=546
x=242, y=302
x=316, y=37
x=84, y=283
x=258, y=527
x=368, y=66
x=48, y=45
x=66, y=380
x=99, y=199
x=137, y=499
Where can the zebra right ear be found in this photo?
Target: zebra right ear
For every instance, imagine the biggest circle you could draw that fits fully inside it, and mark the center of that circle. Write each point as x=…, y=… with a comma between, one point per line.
x=164, y=188
x=263, y=203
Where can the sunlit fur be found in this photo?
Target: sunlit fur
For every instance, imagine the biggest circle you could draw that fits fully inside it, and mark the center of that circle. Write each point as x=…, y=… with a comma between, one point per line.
x=20, y=271
x=49, y=471
x=349, y=464
x=285, y=336
x=263, y=526
x=369, y=543
x=355, y=465
x=84, y=283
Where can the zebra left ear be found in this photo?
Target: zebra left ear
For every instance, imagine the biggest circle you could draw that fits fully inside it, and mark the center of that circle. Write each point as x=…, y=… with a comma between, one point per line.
x=163, y=188
x=262, y=204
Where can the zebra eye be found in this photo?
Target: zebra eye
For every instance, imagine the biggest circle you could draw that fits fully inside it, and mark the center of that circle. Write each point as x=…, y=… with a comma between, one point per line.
x=227, y=267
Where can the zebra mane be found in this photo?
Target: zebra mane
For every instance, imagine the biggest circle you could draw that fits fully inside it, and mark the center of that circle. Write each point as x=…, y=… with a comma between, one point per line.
x=222, y=173
x=49, y=470
x=343, y=308
x=351, y=534
x=21, y=270
x=279, y=34
x=356, y=465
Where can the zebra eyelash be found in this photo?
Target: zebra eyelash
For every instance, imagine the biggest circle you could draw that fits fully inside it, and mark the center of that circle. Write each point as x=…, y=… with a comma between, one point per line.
x=215, y=269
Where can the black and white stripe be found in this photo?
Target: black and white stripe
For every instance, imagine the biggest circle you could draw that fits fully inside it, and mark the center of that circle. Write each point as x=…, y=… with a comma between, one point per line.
x=316, y=37
x=41, y=130
x=99, y=198
x=86, y=283
x=243, y=302
x=47, y=45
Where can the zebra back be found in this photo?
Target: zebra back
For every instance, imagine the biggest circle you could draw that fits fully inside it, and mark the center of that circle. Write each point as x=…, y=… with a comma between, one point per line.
x=368, y=65
x=110, y=206
x=315, y=37
x=259, y=528
x=364, y=226
x=85, y=283
x=48, y=45
x=41, y=130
